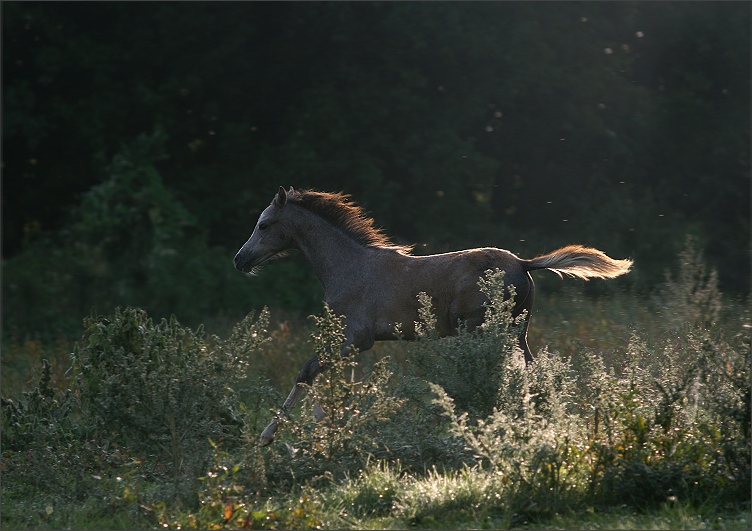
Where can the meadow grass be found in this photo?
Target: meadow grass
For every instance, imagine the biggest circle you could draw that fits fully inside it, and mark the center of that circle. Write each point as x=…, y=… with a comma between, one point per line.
x=635, y=415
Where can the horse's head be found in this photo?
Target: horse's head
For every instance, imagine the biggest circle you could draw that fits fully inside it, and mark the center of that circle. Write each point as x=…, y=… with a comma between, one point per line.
x=271, y=236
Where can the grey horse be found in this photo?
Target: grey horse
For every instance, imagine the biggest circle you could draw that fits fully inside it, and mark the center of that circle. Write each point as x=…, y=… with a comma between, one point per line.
x=374, y=284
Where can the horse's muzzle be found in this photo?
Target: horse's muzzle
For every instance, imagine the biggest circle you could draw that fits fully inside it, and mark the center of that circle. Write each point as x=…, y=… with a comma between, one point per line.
x=243, y=263
x=246, y=262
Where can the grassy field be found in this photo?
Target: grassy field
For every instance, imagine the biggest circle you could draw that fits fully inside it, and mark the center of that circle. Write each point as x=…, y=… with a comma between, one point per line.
x=635, y=415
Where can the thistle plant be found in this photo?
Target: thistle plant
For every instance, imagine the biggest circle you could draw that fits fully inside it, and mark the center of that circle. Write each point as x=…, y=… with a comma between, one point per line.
x=469, y=365
x=343, y=441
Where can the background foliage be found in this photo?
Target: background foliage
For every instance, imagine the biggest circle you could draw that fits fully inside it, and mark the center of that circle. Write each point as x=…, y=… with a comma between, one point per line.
x=141, y=140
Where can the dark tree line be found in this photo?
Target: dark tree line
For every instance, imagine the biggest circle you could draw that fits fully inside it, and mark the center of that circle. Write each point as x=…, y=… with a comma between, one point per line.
x=523, y=125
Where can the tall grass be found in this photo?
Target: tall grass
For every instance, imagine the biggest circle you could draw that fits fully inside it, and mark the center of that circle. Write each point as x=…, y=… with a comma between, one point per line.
x=157, y=425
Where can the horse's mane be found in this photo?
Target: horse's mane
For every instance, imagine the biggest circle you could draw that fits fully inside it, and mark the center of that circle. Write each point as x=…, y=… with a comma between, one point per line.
x=350, y=218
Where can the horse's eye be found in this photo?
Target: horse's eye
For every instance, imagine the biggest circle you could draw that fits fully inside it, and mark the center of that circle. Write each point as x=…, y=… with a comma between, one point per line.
x=263, y=226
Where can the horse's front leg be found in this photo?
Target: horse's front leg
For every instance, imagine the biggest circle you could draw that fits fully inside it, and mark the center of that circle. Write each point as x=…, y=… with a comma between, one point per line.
x=306, y=376
x=359, y=341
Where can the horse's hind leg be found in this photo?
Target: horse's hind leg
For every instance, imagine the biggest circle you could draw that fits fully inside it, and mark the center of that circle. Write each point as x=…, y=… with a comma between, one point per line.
x=526, y=304
x=523, y=343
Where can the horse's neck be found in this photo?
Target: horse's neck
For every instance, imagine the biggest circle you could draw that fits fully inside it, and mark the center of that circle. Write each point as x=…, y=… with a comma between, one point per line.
x=333, y=255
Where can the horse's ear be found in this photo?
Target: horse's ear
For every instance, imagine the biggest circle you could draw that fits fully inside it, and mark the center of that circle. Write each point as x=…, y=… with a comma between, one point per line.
x=281, y=198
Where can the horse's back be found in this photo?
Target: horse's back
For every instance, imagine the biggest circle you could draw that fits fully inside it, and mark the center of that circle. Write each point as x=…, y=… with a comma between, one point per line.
x=475, y=262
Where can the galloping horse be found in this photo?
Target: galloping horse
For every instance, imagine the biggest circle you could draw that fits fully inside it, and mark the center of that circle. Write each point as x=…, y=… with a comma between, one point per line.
x=374, y=284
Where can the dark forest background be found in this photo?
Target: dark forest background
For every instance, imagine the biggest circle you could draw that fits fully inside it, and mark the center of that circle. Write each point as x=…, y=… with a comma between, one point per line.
x=142, y=139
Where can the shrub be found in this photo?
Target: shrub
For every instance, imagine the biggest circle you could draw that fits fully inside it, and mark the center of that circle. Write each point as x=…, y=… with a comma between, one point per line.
x=469, y=366
x=144, y=396
x=159, y=389
x=41, y=415
x=355, y=411
x=530, y=441
x=692, y=298
x=673, y=423
x=658, y=438
x=50, y=466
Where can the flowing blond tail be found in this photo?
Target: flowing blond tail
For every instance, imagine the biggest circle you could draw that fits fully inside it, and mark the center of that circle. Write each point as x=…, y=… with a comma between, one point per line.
x=580, y=262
